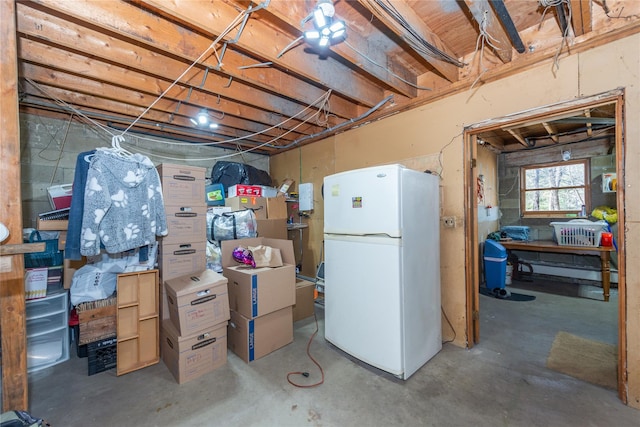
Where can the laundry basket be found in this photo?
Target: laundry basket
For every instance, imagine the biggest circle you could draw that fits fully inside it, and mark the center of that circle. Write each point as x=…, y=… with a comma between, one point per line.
x=579, y=232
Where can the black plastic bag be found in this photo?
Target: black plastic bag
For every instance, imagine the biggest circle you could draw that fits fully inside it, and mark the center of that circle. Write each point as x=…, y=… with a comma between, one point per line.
x=232, y=173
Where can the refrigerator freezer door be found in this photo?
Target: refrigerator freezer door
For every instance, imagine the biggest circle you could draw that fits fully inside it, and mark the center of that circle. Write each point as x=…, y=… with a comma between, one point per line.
x=363, y=201
x=362, y=302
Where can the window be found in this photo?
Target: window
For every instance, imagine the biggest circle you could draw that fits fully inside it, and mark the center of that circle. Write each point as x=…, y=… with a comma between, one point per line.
x=554, y=189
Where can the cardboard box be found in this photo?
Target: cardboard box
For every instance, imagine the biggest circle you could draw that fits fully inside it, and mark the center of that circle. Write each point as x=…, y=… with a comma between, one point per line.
x=182, y=184
x=186, y=223
x=69, y=269
x=197, y=301
x=255, y=292
x=272, y=228
x=239, y=190
x=304, y=306
x=191, y=356
x=52, y=224
x=269, y=191
x=276, y=208
x=252, y=339
x=179, y=259
x=257, y=204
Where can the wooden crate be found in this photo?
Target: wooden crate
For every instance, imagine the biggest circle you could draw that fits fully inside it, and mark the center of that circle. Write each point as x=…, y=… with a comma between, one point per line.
x=97, y=320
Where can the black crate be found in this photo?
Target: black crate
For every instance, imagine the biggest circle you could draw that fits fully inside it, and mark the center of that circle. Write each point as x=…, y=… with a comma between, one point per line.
x=102, y=355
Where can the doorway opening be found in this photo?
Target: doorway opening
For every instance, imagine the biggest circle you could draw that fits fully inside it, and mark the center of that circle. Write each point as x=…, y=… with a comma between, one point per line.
x=580, y=128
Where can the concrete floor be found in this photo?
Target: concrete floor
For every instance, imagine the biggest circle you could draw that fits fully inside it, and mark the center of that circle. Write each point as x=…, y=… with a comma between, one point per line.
x=502, y=381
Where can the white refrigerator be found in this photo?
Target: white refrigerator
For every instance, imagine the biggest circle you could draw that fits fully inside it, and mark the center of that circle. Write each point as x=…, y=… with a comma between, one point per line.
x=382, y=266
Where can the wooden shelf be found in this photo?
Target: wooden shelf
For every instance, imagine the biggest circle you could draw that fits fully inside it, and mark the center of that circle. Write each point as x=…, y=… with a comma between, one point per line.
x=138, y=322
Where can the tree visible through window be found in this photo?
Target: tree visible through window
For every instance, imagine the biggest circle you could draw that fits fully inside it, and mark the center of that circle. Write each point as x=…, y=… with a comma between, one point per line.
x=554, y=189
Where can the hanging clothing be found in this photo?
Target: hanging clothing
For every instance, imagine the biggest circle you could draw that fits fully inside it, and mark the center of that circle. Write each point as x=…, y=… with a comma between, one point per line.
x=123, y=204
x=76, y=210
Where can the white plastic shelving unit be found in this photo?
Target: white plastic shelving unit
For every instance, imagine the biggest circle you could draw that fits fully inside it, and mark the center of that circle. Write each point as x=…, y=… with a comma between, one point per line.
x=47, y=331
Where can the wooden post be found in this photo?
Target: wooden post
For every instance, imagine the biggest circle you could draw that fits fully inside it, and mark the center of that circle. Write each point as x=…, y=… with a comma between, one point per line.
x=12, y=298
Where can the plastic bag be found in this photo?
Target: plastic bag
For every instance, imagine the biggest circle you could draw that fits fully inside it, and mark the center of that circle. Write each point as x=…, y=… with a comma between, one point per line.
x=90, y=283
x=232, y=173
x=606, y=213
x=231, y=225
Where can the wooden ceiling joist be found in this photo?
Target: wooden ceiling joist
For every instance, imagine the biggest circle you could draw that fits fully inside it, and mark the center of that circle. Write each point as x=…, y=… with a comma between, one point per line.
x=551, y=132
x=581, y=16
x=490, y=28
x=261, y=38
x=516, y=134
x=446, y=69
x=356, y=50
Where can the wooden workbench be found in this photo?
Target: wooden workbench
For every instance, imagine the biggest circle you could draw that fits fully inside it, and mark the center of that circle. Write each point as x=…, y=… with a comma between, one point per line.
x=549, y=246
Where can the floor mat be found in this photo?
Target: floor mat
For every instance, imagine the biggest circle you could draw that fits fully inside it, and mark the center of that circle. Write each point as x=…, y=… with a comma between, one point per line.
x=591, y=361
x=513, y=297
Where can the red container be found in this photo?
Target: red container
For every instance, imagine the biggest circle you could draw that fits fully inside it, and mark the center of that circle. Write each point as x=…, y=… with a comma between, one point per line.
x=606, y=239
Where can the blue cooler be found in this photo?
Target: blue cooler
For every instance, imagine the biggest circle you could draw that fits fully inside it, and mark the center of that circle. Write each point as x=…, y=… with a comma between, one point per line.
x=495, y=264
x=214, y=195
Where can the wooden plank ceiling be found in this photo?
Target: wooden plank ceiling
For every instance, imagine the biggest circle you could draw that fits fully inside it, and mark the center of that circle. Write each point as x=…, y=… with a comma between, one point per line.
x=148, y=66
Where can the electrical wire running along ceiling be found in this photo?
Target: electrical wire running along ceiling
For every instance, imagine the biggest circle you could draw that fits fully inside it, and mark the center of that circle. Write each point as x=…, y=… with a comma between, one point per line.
x=150, y=66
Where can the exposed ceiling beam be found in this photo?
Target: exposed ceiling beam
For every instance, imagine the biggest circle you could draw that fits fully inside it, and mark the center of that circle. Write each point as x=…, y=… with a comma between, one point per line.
x=446, y=69
x=490, y=28
x=581, y=16
x=356, y=50
x=587, y=113
x=260, y=37
x=505, y=18
x=139, y=40
x=516, y=134
x=127, y=77
x=80, y=84
x=551, y=132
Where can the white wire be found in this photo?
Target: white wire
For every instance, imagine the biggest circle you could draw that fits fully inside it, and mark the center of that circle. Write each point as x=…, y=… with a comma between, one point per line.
x=226, y=31
x=385, y=68
x=323, y=99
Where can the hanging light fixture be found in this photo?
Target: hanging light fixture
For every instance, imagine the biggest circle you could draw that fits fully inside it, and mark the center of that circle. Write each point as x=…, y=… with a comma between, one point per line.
x=203, y=120
x=327, y=30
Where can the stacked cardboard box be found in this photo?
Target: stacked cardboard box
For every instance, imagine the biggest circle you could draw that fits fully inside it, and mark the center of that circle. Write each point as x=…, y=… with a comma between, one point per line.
x=194, y=337
x=261, y=300
x=183, y=250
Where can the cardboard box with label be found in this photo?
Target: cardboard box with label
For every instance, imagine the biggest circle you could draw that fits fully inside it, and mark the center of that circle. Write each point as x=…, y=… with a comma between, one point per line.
x=304, y=306
x=191, y=356
x=252, y=339
x=257, y=204
x=255, y=292
x=182, y=184
x=244, y=190
x=197, y=301
x=185, y=223
x=179, y=259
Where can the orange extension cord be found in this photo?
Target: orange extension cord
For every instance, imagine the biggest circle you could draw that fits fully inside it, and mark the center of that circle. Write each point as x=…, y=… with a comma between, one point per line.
x=306, y=374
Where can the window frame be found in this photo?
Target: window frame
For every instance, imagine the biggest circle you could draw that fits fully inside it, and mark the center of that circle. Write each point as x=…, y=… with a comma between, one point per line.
x=559, y=213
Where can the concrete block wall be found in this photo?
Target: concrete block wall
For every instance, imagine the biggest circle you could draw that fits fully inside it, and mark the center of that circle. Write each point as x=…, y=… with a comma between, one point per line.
x=539, y=227
x=49, y=149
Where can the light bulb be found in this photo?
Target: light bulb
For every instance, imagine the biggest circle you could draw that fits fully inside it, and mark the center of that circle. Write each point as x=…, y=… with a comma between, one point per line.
x=319, y=18
x=312, y=35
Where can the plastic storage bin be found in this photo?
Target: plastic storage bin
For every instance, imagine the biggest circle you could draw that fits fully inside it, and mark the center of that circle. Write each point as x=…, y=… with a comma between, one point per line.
x=495, y=264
